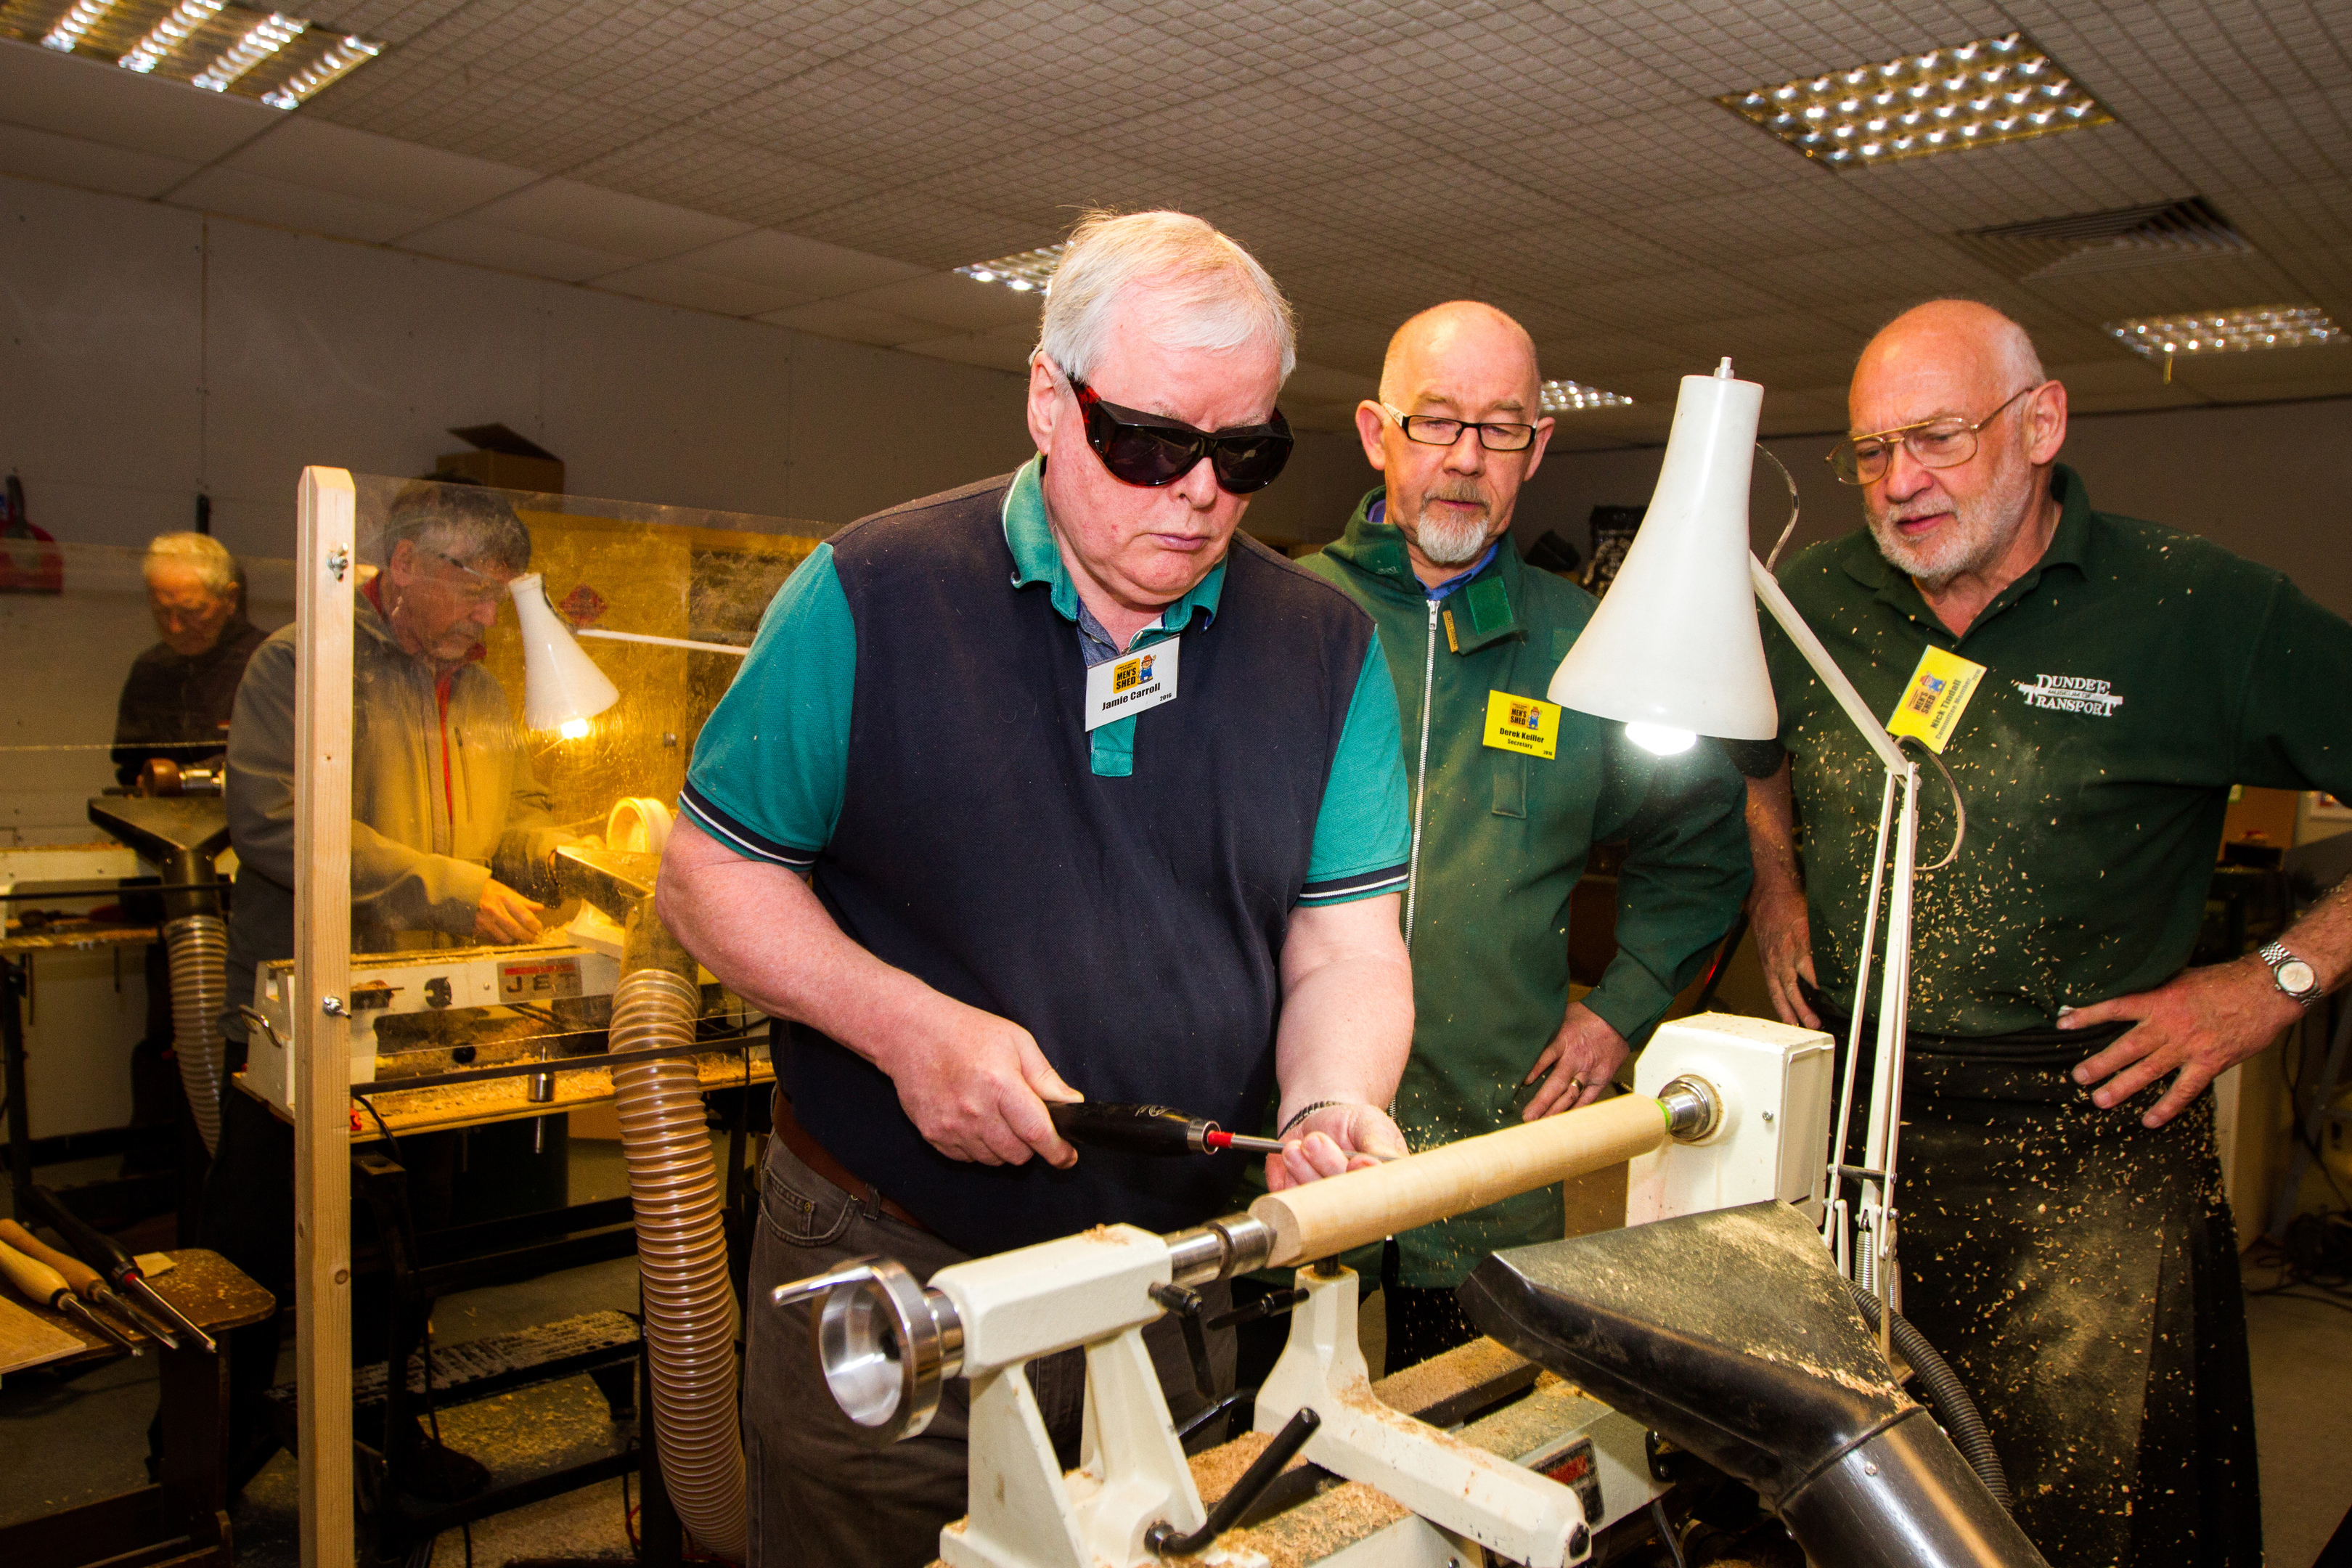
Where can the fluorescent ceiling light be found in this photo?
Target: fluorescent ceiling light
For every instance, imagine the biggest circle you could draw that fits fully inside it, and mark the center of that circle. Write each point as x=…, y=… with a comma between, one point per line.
x=278, y=59
x=2229, y=331
x=1026, y=273
x=338, y=61
x=265, y=38
x=70, y=27
x=169, y=34
x=1975, y=95
x=1568, y=396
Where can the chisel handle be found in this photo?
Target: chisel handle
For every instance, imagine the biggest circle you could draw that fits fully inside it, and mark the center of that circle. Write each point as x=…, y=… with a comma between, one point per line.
x=80, y=1277
x=36, y=1279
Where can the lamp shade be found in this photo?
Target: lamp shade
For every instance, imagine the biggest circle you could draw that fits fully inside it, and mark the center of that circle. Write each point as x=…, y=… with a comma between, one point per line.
x=1674, y=642
x=561, y=684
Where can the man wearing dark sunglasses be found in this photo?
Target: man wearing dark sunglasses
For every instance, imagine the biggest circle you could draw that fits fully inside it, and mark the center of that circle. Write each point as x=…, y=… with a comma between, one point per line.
x=1094, y=798
x=1506, y=814
x=2066, y=1241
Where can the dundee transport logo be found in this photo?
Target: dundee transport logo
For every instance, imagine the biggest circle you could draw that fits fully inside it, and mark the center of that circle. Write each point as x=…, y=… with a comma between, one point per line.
x=2070, y=694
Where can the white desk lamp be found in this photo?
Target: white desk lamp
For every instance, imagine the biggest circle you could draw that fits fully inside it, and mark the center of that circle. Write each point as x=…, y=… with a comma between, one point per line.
x=562, y=687
x=1674, y=652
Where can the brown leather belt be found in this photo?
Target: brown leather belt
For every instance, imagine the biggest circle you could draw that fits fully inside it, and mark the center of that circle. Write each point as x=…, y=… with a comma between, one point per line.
x=817, y=1158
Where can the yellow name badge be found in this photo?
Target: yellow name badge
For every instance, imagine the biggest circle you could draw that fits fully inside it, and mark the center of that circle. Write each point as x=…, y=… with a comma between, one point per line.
x=1938, y=694
x=1525, y=724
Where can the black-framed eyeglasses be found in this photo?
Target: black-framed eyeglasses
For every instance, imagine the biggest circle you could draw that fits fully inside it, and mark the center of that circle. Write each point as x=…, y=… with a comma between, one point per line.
x=1945, y=442
x=1436, y=430
x=1146, y=449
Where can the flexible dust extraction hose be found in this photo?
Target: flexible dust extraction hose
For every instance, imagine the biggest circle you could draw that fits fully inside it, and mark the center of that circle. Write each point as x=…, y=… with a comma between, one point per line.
x=1947, y=1394
x=199, y=948
x=689, y=1301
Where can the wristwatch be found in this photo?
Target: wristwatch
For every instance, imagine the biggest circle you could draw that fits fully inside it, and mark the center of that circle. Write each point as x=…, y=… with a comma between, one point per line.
x=2292, y=974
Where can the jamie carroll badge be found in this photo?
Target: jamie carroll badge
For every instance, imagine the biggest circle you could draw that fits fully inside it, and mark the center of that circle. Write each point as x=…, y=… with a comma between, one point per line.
x=1122, y=686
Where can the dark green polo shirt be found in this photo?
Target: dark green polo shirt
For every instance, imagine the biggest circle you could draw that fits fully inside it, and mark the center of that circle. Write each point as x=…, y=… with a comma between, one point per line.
x=2132, y=676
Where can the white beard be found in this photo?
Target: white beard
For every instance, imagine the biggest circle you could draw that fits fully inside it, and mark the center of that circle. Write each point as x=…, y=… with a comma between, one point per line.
x=1976, y=537
x=1450, y=544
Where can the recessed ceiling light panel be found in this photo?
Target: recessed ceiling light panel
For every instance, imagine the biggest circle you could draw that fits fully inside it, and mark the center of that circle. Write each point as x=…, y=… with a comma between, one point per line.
x=1571, y=396
x=1977, y=94
x=277, y=58
x=2229, y=331
x=1028, y=273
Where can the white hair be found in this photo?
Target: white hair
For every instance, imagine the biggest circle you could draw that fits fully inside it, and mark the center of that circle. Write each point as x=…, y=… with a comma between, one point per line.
x=214, y=567
x=1224, y=298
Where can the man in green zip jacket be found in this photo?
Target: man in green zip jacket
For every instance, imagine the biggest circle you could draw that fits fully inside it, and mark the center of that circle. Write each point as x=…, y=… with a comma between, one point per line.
x=1509, y=793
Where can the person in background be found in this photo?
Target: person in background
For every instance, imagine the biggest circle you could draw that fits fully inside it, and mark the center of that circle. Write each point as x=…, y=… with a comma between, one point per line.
x=451, y=839
x=2062, y=1236
x=1508, y=793
x=175, y=703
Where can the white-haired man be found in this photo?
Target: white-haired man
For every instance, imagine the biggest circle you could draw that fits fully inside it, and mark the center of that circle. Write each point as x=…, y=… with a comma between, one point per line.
x=2096, y=685
x=1094, y=798
x=176, y=702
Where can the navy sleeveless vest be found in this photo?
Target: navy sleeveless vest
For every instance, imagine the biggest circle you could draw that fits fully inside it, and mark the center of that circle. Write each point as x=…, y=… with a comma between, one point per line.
x=1133, y=925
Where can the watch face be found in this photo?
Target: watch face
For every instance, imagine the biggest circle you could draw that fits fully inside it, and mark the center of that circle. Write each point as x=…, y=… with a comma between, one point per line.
x=2297, y=976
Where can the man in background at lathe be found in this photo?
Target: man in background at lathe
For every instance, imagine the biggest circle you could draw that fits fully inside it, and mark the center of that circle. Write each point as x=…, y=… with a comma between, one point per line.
x=2062, y=1229
x=176, y=702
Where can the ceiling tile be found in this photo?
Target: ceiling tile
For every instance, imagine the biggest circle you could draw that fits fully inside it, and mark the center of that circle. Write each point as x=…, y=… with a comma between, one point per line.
x=462, y=239
x=582, y=214
x=74, y=97
x=710, y=172
x=927, y=230
x=233, y=193
x=857, y=323
x=673, y=283
x=804, y=269
x=1299, y=33
x=93, y=165
x=993, y=349
x=324, y=156
x=952, y=301
x=843, y=118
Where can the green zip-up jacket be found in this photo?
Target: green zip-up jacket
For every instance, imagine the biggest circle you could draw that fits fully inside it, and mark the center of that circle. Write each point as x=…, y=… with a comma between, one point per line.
x=1500, y=839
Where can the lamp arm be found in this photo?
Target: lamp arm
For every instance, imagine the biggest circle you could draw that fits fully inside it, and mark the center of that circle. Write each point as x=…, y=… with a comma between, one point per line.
x=1767, y=590
x=661, y=642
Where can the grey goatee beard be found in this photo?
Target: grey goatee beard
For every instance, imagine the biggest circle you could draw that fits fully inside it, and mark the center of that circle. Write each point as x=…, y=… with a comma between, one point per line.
x=1449, y=543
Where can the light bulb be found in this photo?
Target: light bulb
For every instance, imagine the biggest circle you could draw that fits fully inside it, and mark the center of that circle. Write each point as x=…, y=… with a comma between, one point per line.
x=577, y=729
x=1661, y=739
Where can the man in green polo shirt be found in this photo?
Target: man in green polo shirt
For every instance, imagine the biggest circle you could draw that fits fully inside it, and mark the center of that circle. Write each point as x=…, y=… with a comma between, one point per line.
x=2064, y=1240
x=1509, y=792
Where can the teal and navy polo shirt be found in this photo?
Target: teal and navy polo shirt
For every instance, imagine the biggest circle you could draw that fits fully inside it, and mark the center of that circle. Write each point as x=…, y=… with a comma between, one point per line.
x=908, y=728
x=2131, y=678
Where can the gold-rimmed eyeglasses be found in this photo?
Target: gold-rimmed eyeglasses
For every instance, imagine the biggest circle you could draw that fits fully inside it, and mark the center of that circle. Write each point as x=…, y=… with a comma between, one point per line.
x=1944, y=442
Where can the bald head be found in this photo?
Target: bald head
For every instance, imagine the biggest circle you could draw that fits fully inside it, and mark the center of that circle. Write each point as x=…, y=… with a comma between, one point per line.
x=1462, y=362
x=1952, y=337
x=1460, y=328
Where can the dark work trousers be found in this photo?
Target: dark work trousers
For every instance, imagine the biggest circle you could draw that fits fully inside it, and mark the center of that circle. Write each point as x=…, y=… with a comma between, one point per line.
x=2080, y=1273
x=820, y=1497
x=249, y=1218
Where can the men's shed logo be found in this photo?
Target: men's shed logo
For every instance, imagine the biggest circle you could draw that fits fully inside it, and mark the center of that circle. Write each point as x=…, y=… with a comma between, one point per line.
x=2070, y=694
x=1527, y=716
x=1130, y=675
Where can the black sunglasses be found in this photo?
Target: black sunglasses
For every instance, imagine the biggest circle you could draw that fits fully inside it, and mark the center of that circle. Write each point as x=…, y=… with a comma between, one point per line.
x=1141, y=448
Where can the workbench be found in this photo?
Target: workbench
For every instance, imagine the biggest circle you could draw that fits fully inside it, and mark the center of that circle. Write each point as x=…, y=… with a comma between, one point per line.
x=183, y=1518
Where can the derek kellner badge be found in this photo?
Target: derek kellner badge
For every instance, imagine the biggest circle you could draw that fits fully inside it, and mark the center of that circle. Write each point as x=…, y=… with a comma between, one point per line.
x=1132, y=682
x=1526, y=724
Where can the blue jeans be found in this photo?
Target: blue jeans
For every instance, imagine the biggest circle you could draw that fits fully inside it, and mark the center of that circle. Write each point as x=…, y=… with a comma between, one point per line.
x=820, y=1497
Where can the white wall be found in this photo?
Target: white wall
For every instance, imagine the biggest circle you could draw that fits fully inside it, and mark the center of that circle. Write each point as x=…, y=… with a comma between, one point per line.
x=148, y=352
x=2272, y=483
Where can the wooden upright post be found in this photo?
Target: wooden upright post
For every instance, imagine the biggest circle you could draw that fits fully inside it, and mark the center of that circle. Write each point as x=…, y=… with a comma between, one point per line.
x=326, y=564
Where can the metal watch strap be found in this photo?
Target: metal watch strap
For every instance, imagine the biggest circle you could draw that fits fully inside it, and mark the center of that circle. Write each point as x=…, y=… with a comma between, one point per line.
x=2276, y=957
